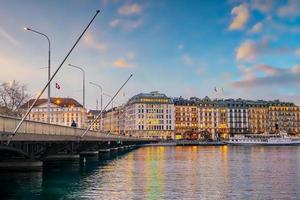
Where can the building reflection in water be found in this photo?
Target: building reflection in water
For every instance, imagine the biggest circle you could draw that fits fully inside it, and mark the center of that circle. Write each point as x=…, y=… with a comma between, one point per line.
x=188, y=172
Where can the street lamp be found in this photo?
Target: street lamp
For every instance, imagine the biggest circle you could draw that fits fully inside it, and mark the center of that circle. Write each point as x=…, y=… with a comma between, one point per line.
x=49, y=86
x=83, y=82
x=101, y=93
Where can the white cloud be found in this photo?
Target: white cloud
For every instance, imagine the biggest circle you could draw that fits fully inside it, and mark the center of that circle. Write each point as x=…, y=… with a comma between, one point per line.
x=241, y=16
x=90, y=40
x=200, y=71
x=8, y=37
x=297, y=52
x=122, y=63
x=187, y=59
x=126, y=24
x=257, y=27
x=115, y=23
x=290, y=10
x=267, y=69
x=262, y=5
x=271, y=76
x=132, y=9
x=247, y=51
x=296, y=69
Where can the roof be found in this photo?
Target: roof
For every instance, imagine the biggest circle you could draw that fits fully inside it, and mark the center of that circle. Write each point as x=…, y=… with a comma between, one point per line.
x=61, y=102
x=179, y=101
x=94, y=112
x=152, y=97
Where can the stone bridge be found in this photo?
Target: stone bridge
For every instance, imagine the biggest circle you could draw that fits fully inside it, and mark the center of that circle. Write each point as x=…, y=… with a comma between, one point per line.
x=38, y=141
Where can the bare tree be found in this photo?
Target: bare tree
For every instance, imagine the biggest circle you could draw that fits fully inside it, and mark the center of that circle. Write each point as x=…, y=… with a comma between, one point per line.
x=12, y=96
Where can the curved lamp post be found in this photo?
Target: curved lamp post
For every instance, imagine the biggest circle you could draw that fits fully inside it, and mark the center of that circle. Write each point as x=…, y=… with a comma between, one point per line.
x=83, y=82
x=49, y=72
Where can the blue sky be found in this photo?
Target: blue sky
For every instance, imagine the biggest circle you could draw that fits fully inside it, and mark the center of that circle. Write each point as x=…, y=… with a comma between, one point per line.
x=251, y=49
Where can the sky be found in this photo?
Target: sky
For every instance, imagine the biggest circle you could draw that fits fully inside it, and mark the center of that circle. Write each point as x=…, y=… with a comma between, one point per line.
x=244, y=49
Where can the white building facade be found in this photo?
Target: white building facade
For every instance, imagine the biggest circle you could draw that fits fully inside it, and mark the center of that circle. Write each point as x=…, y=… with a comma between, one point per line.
x=62, y=111
x=150, y=115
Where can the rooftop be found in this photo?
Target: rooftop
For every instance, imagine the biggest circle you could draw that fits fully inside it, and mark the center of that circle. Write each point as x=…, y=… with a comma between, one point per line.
x=152, y=97
x=61, y=102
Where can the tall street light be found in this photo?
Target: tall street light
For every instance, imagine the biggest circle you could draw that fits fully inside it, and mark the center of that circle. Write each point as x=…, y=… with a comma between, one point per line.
x=83, y=82
x=49, y=72
x=101, y=93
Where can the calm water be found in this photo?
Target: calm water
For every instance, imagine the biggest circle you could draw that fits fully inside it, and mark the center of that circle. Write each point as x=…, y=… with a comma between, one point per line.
x=166, y=173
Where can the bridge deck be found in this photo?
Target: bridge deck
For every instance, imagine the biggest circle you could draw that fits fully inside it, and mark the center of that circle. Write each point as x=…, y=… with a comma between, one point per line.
x=39, y=131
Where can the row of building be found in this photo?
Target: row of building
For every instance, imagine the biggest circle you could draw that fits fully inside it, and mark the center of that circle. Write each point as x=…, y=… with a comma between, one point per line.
x=155, y=115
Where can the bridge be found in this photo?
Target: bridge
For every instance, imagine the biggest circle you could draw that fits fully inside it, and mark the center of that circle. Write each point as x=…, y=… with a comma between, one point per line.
x=36, y=142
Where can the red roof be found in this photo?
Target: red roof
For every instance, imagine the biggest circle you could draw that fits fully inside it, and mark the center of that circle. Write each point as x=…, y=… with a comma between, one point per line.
x=62, y=102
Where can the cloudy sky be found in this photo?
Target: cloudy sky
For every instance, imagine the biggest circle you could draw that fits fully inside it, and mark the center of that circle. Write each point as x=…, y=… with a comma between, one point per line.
x=251, y=49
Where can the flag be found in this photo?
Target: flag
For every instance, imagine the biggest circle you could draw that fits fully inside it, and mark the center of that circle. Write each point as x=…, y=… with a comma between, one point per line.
x=216, y=89
x=57, y=86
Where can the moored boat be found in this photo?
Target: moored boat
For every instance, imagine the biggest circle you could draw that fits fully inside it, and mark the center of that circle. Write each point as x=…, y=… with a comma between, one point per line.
x=263, y=139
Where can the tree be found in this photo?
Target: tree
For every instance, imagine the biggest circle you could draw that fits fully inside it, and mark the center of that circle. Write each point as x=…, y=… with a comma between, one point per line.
x=12, y=96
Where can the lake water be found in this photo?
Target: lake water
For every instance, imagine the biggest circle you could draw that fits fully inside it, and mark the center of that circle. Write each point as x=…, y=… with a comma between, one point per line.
x=190, y=172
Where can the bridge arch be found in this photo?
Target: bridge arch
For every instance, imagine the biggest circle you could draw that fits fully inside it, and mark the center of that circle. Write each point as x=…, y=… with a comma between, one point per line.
x=13, y=151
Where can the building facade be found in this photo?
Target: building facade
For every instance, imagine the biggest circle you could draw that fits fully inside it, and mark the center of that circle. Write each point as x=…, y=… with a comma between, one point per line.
x=237, y=116
x=283, y=117
x=62, y=111
x=91, y=115
x=150, y=115
x=186, y=118
x=258, y=116
x=213, y=118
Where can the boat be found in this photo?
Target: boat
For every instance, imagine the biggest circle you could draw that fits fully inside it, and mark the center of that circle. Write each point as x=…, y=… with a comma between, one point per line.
x=281, y=138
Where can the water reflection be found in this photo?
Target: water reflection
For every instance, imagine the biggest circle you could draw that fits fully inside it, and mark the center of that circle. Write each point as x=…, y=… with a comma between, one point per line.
x=189, y=172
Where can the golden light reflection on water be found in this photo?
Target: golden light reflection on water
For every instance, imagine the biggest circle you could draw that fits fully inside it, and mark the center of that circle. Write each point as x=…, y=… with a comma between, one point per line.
x=189, y=172
x=194, y=172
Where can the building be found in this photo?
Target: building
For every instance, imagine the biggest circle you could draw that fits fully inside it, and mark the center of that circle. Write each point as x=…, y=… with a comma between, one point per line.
x=63, y=111
x=283, y=116
x=91, y=115
x=150, y=115
x=237, y=116
x=213, y=117
x=113, y=120
x=186, y=118
x=258, y=116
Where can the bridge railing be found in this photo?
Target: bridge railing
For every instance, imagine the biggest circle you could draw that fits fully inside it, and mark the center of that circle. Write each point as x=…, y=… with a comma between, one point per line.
x=8, y=125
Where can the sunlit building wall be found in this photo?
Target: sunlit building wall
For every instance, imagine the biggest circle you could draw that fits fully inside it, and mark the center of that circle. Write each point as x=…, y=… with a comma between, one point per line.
x=286, y=116
x=212, y=118
x=62, y=111
x=186, y=117
x=111, y=120
x=91, y=115
x=258, y=117
x=237, y=116
x=150, y=115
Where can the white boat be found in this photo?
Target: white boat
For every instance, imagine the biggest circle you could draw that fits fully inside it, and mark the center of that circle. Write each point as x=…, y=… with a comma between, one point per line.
x=263, y=139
